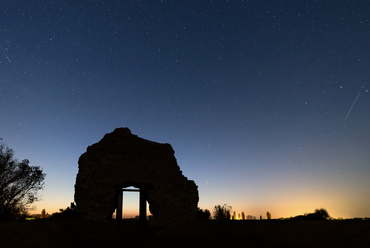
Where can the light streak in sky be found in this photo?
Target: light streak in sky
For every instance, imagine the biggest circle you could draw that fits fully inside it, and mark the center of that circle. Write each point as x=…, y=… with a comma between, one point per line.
x=352, y=106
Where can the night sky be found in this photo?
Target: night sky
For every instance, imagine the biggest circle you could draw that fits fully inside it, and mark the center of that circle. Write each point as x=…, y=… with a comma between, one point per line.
x=265, y=102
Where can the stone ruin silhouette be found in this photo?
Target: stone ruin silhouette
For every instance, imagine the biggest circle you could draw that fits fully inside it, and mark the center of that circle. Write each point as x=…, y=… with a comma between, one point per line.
x=121, y=160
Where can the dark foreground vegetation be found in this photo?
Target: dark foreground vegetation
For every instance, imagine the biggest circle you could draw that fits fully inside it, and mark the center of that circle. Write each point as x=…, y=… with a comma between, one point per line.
x=74, y=232
x=19, y=185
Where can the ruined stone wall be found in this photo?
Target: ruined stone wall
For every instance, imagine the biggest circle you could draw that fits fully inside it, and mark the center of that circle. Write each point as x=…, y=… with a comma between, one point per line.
x=122, y=159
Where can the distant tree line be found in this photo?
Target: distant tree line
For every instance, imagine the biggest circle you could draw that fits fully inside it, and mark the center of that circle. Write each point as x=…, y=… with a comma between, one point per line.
x=223, y=212
x=319, y=214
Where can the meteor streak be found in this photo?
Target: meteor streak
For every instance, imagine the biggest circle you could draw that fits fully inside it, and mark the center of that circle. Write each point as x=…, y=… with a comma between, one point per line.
x=352, y=106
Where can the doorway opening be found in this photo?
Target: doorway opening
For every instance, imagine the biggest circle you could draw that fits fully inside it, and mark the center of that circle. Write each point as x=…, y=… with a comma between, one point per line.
x=132, y=204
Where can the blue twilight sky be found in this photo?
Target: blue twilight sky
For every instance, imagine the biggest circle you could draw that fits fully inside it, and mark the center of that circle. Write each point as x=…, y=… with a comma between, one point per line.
x=254, y=96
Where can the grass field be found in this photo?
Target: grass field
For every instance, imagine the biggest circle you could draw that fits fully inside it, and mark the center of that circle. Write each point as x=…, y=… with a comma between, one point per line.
x=79, y=233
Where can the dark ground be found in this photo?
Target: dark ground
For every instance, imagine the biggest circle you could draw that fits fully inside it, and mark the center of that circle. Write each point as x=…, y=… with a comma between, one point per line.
x=79, y=233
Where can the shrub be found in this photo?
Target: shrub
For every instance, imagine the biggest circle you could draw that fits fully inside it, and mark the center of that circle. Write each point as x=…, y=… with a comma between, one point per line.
x=69, y=212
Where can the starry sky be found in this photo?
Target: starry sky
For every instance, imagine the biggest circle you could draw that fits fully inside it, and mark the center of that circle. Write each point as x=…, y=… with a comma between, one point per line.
x=265, y=102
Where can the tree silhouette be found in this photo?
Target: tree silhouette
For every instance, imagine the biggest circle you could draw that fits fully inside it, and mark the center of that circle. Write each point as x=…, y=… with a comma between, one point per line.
x=19, y=183
x=268, y=215
x=43, y=214
x=243, y=216
x=222, y=212
x=322, y=213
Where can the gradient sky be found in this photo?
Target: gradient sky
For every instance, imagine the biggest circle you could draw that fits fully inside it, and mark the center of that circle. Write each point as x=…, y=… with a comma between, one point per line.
x=252, y=95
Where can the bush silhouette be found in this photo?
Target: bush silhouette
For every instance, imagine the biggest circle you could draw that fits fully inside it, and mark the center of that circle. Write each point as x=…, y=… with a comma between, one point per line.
x=69, y=212
x=203, y=214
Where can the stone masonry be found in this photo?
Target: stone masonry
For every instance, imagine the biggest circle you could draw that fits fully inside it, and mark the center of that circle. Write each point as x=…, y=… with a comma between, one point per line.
x=122, y=159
